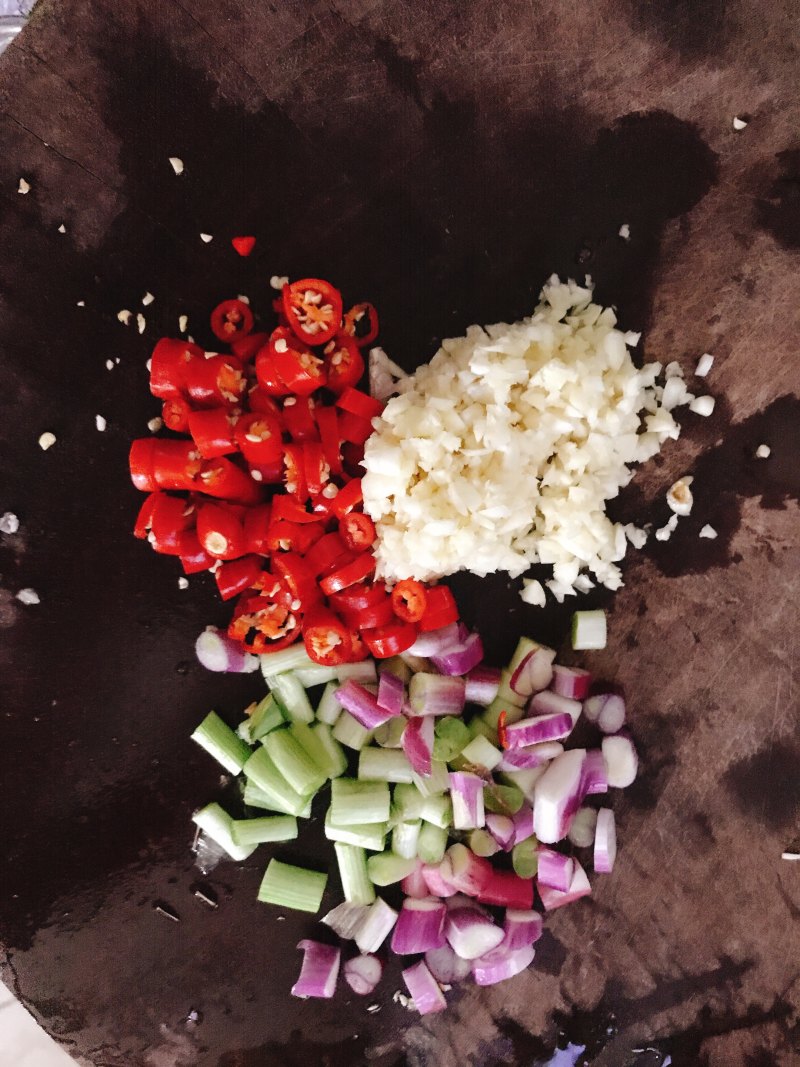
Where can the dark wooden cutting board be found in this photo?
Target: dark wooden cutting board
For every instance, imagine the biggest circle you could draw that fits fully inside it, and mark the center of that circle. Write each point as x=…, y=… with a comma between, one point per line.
x=440, y=159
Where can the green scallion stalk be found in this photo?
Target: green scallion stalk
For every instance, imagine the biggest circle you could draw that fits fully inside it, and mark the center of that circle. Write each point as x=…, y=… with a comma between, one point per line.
x=217, y=738
x=394, y=665
x=432, y=843
x=329, y=709
x=266, y=717
x=384, y=765
x=589, y=629
x=371, y=836
x=266, y=828
x=285, y=659
x=292, y=887
x=479, y=727
x=293, y=762
x=356, y=802
x=507, y=694
x=310, y=742
x=524, y=780
x=438, y=781
x=356, y=884
x=390, y=733
x=386, y=868
x=514, y=712
x=405, y=839
x=337, y=760
x=287, y=802
x=408, y=802
x=451, y=735
x=214, y=821
x=292, y=697
x=262, y=772
x=363, y=672
x=502, y=799
x=525, y=858
x=438, y=810
x=308, y=677
x=481, y=753
x=350, y=733
x=482, y=843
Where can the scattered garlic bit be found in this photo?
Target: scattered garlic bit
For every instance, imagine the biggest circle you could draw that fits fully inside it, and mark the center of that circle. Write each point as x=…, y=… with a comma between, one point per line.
x=177, y=164
x=62, y=228
x=277, y=281
x=81, y=304
x=183, y=583
x=790, y=856
x=109, y=364
x=738, y=124
x=100, y=423
x=244, y=299
x=667, y=531
x=679, y=496
x=704, y=365
x=47, y=440
x=533, y=592
x=154, y=425
x=183, y=323
x=372, y=1008
x=709, y=532
x=763, y=452
x=636, y=536
x=625, y=232
x=28, y=596
x=9, y=523
x=116, y=360
x=125, y=316
x=140, y=322
x=206, y=237
x=148, y=364
x=148, y=298
x=257, y=476
x=673, y=370
x=583, y=583
x=702, y=405
x=23, y=188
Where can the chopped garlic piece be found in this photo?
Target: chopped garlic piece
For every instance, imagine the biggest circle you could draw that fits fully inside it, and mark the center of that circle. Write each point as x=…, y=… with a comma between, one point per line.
x=738, y=124
x=702, y=405
x=277, y=281
x=109, y=364
x=148, y=298
x=665, y=532
x=47, y=440
x=709, y=532
x=625, y=232
x=244, y=299
x=23, y=188
x=62, y=228
x=28, y=596
x=148, y=364
x=100, y=423
x=177, y=164
x=140, y=322
x=125, y=316
x=81, y=304
x=763, y=452
x=792, y=856
x=154, y=425
x=206, y=237
x=704, y=365
x=183, y=323
x=9, y=523
x=533, y=593
x=183, y=583
x=679, y=496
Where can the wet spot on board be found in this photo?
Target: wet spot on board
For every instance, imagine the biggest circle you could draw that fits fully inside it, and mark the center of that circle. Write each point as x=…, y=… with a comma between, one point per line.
x=778, y=210
x=300, y=1052
x=766, y=785
x=656, y=744
x=693, y=29
x=551, y=955
x=704, y=827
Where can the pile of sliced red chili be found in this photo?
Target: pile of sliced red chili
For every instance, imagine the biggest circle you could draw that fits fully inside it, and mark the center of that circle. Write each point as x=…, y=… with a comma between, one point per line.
x=266, y=491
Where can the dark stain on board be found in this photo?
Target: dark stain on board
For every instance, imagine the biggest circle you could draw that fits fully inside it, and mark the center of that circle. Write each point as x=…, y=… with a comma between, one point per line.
x=675, y=23
x=778, y=210
x=766, y=785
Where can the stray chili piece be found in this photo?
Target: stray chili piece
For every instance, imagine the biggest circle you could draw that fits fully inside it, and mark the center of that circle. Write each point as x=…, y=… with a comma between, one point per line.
x=502, y=736
x=441, y=609
x=268, y=378
x=144, y=519
x=194, y=557
x=328, y=423
x=243, y=245
x=259, y=400
x=292, y=537
x=358, y=403
x=255, y=525
x=246, y=348
x=294, y=472
x=344, y=363
x=348, y=497
x=171, y=517
x=391, y=640
x=353, y=460
x=237, y=575
x=324, y=553
x=231, y=320
x=175, y=464
x=409, y=600
x=356, y=597
x=215, y=381
x=258, y=435
x=326, y=637
x=379, y=614
x=315, y=468
x=168, y=365
x=297, y=576
x=266, y=622
x=267, y=473
x=296, y=365
x=361, y=323
x=355, y=571
x=353, y=428
x=313, y=309
x=220, y=531
x=175, y=413
x=357, y=530
x=358, y=650
x=298, y=418
x=222, y=479
x=213, y=431
x=286, y=507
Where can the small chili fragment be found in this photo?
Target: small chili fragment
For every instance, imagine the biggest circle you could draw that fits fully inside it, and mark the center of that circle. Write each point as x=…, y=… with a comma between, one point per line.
x=358, y=597
x=297, y=577
x=243, y=245
x=326, y=637
x=298, y=418
x=266, y=622
x=213, y=431
x=324, y=553
x=358, y=403
x=222, y=479
x=172, y=516
x=168, y=364
x=361, y=323
x=237, y=575
x=286, y=508
x=220, y=531
x=194, y=557
x=441, y=609
x=297, y=367
x=328, y=423
x=246, y=348
x=292, y=537
x=294, y=472
x=502, y=737
x=256, y=525
x=313, y=309
x=216, y=380
x=357, y=530
x=268, y=378
x=344, y=363
x=231, y=320
x=378, y=614
x=140, y=461
x=175, y=414
x=353, y=428
x=354, y=571
x=348, y=497
x=391, y=640
x=409, y=600
x=259, y=400
x=258, y=435
x=315, y=469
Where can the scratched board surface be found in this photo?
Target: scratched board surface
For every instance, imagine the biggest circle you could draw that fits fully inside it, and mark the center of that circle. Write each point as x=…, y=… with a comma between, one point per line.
x=440, y=159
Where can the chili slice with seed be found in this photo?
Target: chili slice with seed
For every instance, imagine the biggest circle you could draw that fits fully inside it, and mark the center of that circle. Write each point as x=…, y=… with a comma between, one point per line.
x=440, y=610
x=222, y=479
x=328, y=423
x=355, y=571
x=294, y=472
x=326, y=637
x=344, y=363
x=409, y=600
x=297, y=576
x=266, y=622
x=361, y=323
x=220, y=531
x=348, y=497
x=357, y=530
x=214, y=381
x=194, y=557
x=358, y=403
x=391, y=640
x=213, y=431
x=313, y=309
x=258, y=435
x=246, y=348
x=175, y=414
x=168, y=365
x=231, y=320
x=237, y=575
x=256, y=526
x=298, y=418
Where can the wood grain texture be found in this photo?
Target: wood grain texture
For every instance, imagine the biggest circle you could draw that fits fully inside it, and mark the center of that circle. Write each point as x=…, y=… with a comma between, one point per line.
x=441, y=159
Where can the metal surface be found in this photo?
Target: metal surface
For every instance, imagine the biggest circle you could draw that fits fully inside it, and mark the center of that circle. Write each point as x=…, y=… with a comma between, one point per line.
x=440, y=159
